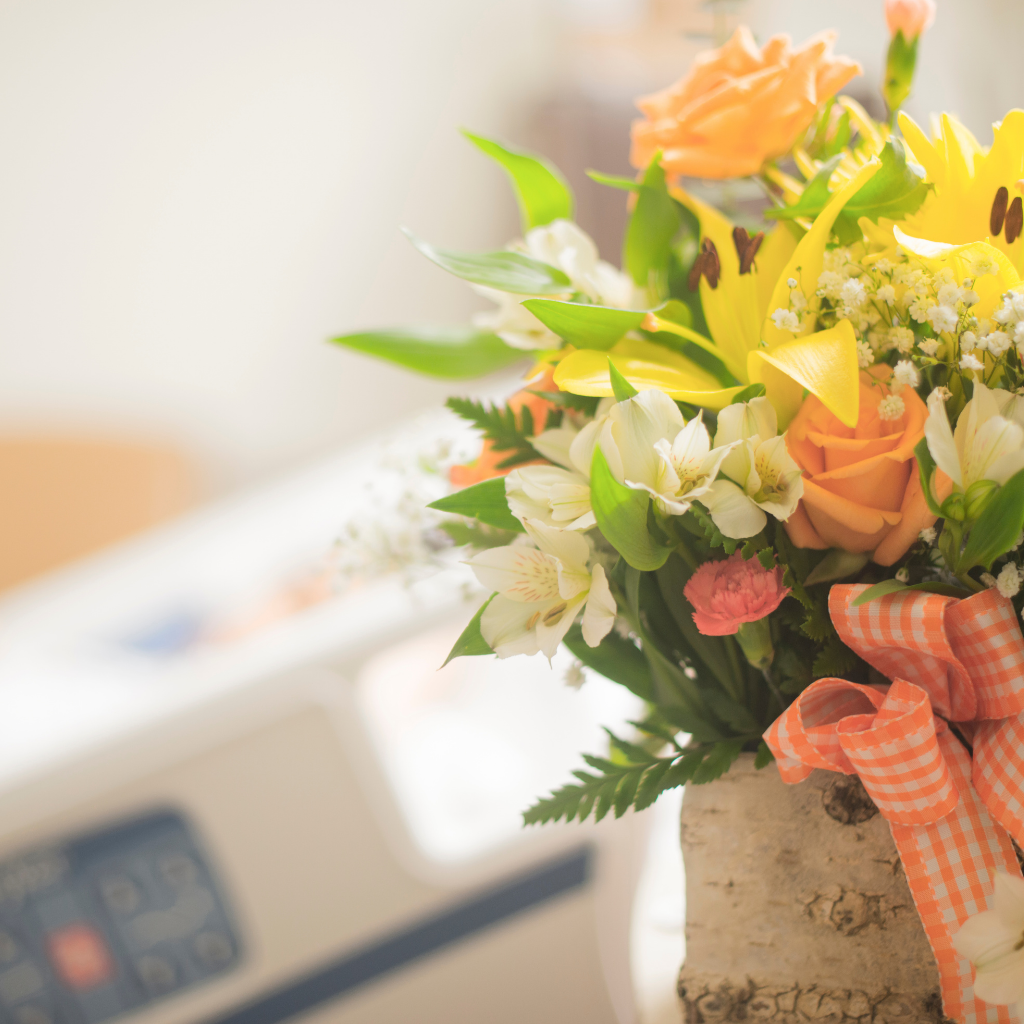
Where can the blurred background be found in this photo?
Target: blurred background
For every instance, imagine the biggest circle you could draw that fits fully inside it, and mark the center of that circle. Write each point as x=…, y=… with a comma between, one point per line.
x=194, y=198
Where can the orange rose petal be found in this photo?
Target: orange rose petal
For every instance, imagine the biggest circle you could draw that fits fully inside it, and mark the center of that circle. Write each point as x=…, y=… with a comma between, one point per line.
x=857, y=518
x=879, y=484
x=801, y=531
x=916, y=517
x=739, y=105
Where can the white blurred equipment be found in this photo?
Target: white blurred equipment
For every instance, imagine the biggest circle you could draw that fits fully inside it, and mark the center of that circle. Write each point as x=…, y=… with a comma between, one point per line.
x=229, y=796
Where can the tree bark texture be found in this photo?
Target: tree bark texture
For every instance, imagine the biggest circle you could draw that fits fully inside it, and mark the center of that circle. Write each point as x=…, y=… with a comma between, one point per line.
x=797, y=908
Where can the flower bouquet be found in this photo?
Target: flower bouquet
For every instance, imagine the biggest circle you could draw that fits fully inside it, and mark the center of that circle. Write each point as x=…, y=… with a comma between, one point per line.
x=770, y=475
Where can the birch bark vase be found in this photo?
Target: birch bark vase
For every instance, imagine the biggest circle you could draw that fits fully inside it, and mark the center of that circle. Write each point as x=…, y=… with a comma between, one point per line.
x=797, y=908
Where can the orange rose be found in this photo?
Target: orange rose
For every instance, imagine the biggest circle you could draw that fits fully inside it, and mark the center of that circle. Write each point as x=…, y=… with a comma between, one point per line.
x=739, y=106
x=486, y=465
x=862, y=489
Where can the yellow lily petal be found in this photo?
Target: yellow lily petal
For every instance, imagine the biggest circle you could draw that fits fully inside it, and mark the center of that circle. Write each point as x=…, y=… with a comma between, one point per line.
x=805, y=265
x=922, y=149
x=968, y=261
x=585, y=372
x=825, y=363
x=961, y=149
x=731, y=309
x=775, y=252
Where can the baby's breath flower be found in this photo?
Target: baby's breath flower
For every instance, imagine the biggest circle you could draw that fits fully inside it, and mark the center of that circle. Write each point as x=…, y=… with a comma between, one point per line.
x=891, y=408
x=853, y=294
x=997, y=342
x=887, y=294
x=903, y=575
x=902, y=339
x=883, y=266
x=905, y=374
x=929, y=346
x=865, y=355
x=1008, y=581
x=971, y=362
x=797, y=300
x=968, y=341
x=942, y=318
x=928, y=535
x=792, y=282
x=942, y=392
x=988, y=579
x=785, y=320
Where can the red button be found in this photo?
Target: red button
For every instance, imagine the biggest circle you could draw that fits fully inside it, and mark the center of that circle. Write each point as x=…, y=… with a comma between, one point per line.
x=80, y=956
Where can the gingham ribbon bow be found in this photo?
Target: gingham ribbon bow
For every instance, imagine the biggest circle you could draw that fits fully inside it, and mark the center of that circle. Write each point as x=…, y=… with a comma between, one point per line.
x=951, y=660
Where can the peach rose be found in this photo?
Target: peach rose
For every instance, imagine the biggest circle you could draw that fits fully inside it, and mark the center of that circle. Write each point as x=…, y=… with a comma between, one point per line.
x=911, y=17
x=862, y=489
x=739, y=105
x=486, y=465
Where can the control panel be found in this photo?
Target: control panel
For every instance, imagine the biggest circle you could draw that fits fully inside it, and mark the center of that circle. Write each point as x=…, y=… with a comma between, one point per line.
x=107, y=922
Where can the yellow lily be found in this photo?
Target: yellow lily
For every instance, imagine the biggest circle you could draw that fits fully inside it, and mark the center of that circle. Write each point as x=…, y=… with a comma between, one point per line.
x=738, y=313
x=978, y=192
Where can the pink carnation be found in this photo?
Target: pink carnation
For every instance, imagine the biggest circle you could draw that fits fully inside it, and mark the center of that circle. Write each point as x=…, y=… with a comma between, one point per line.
x=912, y=17
x=727, y=594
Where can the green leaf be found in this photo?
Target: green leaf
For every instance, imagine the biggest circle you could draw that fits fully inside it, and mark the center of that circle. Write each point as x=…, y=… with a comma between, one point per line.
x=506, y=431
x=652, y=226
x=476, y=535
x=585, y=326
x=471, y=643
x=623, y=390
x=749, y=393
x=614, y=181
x=718, y=762
x=814, y=197
x=543, y=194
x=926, y=466
x=621, y=514
x=887, y=587
x=505, y=271
x=650, y=787
x=764, y=756
x=895, y=190
x=818, y=626
x=616, y=658
x=484, y=501
x=451, y=353
x=997, y=528
x=836, y=565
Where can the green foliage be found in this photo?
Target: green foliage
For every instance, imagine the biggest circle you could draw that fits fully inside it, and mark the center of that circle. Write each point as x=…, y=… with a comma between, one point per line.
x=652, y=227
x=621, y=514
x=899, y=71
x=836, y=565
x=505, y=271
x=749, y=393
x=502, y=426
x=714, y=536
x=887, y=587
x=476, y=535
x=614, y=181
x=450, y=353
x=764, y=756
x=895, y=190
x=616, y=658
x=586, y=404
x=471, y=643
x=817, y=625
x=585, y=326
x=621, y=387
x=635, y=778
x=835, y=659
x=543, y=194
x=484, y=501
x=997, y=528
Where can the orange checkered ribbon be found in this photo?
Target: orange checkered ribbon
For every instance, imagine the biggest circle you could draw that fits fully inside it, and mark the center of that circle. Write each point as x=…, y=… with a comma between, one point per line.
x=950, y=660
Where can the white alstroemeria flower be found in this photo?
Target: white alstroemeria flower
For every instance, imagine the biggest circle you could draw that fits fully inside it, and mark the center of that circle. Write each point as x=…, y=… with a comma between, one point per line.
x=630, y=432
x=564, y=245
x=540, y=591
x=985, y=446
x=513, y=322
x=758, y=474
x=555, y=496
x=994, y=942
x=567, y=246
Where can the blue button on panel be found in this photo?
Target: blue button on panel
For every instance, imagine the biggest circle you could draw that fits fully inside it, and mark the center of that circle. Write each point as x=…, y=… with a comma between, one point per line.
x=105, y=923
